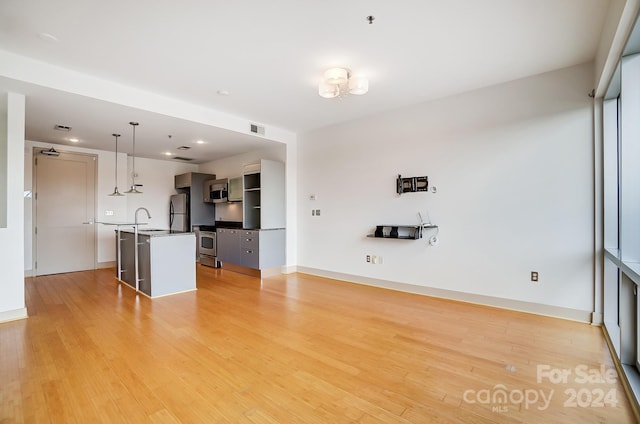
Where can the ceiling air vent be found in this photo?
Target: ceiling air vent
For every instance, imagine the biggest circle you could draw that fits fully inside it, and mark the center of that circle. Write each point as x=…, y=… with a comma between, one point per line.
x=184, y=159
x=256, y=129
x=183, y=148
x=62, y=127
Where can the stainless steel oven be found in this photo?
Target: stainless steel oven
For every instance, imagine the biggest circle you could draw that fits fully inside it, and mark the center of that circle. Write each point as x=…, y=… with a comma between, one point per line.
x=207, y=248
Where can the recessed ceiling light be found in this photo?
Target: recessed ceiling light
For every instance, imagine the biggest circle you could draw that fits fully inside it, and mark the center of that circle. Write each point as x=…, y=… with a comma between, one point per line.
x=45, y=36
x=200, y=142
x=168, y=153
x=223, y=93
x=74, y=140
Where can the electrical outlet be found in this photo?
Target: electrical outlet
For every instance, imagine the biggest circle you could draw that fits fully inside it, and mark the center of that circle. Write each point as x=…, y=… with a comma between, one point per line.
x=317, y=212
x=313, y=212
x=108, y=213
x=368, y=258
x=534, y=276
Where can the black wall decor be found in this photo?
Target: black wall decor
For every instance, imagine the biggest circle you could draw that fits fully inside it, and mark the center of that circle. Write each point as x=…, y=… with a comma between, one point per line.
x=411, y=184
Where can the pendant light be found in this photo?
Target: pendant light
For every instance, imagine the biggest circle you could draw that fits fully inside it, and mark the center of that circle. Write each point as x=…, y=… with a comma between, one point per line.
x=133, y=189
x=115, y=190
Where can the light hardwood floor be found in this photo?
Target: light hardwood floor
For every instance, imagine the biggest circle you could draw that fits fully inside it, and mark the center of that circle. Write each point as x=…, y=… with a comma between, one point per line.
x=291, y=349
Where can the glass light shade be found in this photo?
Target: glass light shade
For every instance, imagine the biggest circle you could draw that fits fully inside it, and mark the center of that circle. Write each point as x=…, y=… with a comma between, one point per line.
x=358, y=85
x=116, y=192
x=328, y=91
x=133, y=190
x=336, y=76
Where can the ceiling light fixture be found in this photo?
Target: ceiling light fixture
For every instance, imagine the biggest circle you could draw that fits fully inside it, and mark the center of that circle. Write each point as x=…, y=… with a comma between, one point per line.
x=337, y=82
x=116, y=192
x=133, y=189
x=74, y=140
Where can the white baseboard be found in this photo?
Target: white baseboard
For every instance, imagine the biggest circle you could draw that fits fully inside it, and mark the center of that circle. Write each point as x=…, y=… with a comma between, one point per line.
x=289, y=269
x=516, y=305
x=13, y=315
x=597, y=318
x=99, y=265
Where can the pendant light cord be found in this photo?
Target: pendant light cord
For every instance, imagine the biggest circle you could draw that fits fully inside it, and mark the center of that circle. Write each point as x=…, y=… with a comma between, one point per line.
x=133, y=189
x=133, y=162
x=116, y=192
x=116, y=136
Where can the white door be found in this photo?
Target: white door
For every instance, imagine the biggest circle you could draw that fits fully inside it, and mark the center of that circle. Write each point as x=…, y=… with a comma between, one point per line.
x=64, y=212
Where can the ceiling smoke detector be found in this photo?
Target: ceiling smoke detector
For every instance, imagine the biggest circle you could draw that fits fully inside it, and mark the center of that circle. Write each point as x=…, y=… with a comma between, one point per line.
x=62, y=127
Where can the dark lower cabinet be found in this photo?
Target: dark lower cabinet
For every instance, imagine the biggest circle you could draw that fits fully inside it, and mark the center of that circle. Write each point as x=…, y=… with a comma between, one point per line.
x=144, y=264
x=256, y=249
x=128, y=273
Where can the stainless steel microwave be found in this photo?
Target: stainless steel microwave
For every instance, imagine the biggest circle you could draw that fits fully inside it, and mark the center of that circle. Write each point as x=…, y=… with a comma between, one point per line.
x=216, y=191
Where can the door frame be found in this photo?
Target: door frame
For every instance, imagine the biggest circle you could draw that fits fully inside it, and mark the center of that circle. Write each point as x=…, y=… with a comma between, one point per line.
x=34, y=210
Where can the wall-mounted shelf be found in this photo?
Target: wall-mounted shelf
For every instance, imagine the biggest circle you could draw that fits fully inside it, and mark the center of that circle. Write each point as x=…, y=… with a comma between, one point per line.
x=401, y=232
x=411, y=184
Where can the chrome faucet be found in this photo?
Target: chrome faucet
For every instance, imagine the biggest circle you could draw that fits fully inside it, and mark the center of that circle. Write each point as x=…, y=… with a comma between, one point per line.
x=141, y=209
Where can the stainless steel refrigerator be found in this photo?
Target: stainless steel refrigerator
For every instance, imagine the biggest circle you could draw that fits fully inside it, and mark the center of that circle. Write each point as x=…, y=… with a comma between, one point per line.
x=179, y=212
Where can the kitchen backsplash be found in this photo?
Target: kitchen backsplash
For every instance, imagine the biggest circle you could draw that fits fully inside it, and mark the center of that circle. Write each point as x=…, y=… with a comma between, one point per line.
x=229, y=212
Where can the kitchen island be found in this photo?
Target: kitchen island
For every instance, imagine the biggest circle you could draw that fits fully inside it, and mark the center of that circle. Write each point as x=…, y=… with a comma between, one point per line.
x=165, y=261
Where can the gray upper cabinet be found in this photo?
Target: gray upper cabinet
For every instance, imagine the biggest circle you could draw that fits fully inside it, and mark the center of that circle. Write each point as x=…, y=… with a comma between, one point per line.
x=264, y=195
x=235, y=190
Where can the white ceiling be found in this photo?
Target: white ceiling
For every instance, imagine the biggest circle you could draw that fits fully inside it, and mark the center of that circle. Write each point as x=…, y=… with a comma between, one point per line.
x=270, y=57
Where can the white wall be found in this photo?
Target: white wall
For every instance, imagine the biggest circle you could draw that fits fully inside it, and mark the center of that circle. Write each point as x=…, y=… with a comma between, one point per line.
x=12, y=299
x=155, y=175
x=234, y=166
x=513, y=168
x=3, y=159
x=157, y=179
